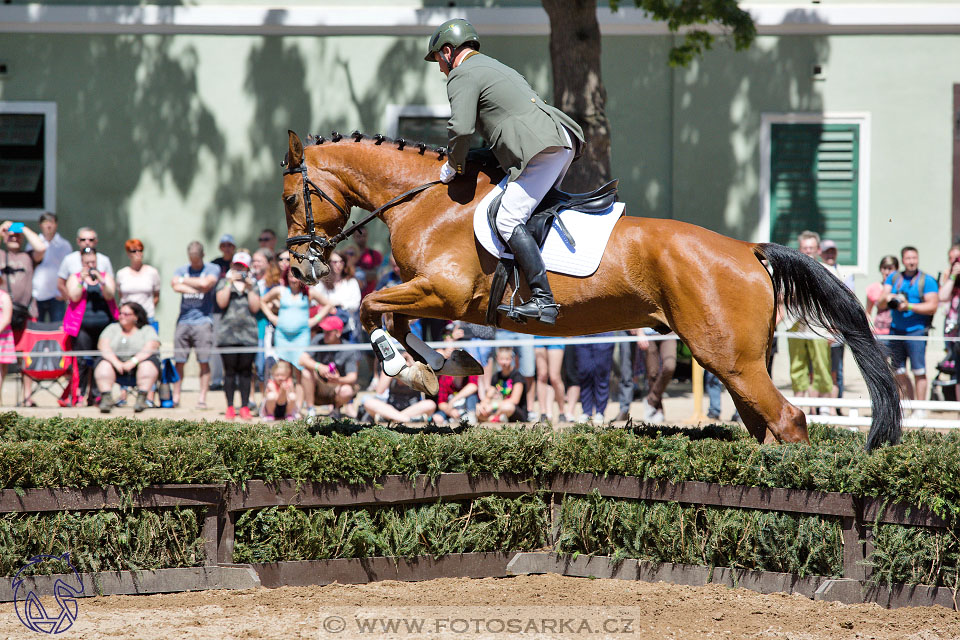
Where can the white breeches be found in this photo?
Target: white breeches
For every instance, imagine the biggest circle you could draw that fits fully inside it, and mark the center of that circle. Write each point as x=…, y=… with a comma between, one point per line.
x=545, y=170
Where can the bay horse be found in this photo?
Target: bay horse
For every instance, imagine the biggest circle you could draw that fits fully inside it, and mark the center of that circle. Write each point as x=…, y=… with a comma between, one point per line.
x=718, y=294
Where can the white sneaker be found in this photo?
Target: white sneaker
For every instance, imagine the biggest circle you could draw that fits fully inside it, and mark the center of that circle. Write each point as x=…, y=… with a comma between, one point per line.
x=471, y=418
x=583, y=419
x=597, y=420
x=657, y=416
x=920, y=414
x=648, y=411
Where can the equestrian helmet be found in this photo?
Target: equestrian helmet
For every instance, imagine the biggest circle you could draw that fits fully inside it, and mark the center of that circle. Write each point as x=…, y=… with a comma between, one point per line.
x=453, y=32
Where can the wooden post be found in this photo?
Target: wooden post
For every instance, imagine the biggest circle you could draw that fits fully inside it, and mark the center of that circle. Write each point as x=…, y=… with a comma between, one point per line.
x=696, y=376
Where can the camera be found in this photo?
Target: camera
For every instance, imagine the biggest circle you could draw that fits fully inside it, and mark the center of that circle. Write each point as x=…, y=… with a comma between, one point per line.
x=894, y=304
x=93, y=273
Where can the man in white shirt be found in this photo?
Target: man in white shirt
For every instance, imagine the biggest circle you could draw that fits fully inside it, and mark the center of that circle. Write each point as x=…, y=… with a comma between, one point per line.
x=50, y=306
x=86, y=237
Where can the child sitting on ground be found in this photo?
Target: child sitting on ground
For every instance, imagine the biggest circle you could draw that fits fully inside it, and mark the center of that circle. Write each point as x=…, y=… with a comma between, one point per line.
x=506, y=398
x=457, y=398
x=282, y=396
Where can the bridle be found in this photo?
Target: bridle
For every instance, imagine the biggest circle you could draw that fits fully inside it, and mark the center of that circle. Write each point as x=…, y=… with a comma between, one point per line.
x=317, y=244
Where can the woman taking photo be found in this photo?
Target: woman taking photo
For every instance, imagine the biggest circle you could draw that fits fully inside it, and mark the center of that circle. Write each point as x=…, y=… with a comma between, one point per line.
x=128, y=355
x=90, y=309
x=239, y=298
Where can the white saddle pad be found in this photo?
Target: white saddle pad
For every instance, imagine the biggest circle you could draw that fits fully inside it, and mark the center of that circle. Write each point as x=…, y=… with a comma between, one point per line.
x=591, y=232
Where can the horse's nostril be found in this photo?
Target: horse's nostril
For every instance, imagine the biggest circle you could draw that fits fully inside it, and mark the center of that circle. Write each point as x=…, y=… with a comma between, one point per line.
x=296, y=273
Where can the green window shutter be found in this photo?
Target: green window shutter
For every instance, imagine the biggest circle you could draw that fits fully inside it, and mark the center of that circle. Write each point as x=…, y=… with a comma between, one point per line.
x=814, y=181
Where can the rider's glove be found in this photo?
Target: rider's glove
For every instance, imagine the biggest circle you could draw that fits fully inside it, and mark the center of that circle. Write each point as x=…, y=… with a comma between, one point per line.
x=447, y=173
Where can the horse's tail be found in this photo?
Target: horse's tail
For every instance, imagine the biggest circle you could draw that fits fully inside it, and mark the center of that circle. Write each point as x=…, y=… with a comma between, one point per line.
x=813, y=294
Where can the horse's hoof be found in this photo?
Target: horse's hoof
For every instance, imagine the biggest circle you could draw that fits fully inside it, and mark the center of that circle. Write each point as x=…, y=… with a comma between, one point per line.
x=420, y=377
x=461, y=363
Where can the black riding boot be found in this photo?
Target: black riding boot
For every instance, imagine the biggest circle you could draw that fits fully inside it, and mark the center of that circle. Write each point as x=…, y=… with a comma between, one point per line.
x=540, y=306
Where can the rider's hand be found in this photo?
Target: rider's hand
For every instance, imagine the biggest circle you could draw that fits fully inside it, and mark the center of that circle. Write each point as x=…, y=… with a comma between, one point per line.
x=447, y=173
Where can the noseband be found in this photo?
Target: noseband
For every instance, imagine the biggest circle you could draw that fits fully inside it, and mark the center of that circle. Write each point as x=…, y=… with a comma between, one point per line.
x=317, y=244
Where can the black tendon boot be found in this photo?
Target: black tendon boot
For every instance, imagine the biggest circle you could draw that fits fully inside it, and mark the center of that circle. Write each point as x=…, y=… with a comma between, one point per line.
x=540, y=306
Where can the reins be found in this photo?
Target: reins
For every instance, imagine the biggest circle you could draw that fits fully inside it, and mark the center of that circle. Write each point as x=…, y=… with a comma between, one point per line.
x=317, y=244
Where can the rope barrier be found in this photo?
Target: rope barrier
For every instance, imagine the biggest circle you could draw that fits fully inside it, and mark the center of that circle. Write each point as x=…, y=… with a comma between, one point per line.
x=166, y=351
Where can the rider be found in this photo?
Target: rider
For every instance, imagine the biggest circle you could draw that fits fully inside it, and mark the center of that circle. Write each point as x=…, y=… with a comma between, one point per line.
x=533, y=142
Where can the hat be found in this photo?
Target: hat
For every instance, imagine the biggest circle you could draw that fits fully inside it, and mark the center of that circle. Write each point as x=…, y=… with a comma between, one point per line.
x=827, y=245
x=227, y=239
x=242, y=257
x=331, y=323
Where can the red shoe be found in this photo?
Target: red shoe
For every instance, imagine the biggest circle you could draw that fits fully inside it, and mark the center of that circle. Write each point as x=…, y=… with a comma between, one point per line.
x=231, y=413
x=244, y=413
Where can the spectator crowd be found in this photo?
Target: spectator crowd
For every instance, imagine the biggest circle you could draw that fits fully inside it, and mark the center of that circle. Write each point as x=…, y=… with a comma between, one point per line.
x=254, y=331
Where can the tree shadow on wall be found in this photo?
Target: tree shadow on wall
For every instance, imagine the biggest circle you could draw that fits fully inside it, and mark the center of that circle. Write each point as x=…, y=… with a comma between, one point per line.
x=718, y=104
x=130, y=102
x=276, y=79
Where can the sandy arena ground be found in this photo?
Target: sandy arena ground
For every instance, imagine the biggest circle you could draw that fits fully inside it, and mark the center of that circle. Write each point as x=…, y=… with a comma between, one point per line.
x=545, y=606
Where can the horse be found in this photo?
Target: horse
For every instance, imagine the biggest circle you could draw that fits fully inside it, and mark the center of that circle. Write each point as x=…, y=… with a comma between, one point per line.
x=718, y=294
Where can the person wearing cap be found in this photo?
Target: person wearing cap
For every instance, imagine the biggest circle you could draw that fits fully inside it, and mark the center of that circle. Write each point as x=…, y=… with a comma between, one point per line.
x=828, y=258
x=228, y=246
x=533, y=142
x=335, y=371
x=238, y=298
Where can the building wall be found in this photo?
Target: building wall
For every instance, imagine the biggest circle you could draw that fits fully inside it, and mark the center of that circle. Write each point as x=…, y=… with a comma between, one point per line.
x=172, y=138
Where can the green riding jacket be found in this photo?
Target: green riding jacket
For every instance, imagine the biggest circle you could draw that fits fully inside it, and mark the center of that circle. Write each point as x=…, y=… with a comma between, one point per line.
x=488, y=97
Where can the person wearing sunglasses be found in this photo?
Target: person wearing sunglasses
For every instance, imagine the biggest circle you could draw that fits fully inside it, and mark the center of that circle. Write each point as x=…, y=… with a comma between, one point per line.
x=86, y=238
x=267, y=239
x=139, y=282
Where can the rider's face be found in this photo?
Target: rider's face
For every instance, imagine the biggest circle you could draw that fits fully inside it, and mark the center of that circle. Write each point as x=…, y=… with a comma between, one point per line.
x=442, y=61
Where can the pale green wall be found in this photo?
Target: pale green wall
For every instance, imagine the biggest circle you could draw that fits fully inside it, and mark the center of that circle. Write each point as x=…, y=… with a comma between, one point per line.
x=177, y=138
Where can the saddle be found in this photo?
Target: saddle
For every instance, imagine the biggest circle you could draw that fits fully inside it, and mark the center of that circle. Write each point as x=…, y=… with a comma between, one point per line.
x=539, y=225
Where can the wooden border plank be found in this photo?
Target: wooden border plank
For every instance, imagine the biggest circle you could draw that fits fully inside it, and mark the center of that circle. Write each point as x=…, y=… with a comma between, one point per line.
x=142, y=582
x=388, y=490
x=364, y=570
x=707, y=493
x=899, y=513
x=96, y=498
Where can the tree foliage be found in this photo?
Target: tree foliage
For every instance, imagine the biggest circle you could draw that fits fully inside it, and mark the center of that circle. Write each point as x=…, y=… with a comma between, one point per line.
x=690, y=16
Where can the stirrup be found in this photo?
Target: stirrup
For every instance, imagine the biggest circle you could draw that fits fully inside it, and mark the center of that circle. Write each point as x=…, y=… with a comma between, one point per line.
x=546, y=312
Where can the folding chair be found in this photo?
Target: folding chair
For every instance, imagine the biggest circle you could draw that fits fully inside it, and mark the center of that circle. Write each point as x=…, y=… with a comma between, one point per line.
x=46, y=371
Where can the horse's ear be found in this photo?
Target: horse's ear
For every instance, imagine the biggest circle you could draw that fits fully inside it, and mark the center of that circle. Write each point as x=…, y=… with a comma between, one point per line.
x=295, y=156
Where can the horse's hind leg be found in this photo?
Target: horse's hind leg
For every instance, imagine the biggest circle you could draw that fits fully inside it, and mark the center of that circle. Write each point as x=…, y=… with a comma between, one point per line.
x=763, y=409
x=740, y=362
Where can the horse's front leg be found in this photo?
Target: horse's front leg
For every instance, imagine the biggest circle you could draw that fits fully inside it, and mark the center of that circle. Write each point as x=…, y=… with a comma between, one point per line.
x=414, y=298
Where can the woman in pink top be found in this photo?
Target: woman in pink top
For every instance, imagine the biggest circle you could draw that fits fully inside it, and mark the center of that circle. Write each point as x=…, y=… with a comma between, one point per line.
x=881, y=323
x=7, y=347
x=139, y=282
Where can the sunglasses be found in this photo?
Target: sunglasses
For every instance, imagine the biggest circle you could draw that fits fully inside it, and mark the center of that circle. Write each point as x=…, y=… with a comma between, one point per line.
x=134, y=250
x=265, y=239
x=86, y=239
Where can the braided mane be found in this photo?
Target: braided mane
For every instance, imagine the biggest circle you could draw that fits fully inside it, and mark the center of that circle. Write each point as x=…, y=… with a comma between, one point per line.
x=378, y=139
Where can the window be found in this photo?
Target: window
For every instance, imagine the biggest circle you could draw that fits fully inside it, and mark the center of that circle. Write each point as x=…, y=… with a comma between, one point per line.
x=27, y=159
x=422, y=123
x=814, y=179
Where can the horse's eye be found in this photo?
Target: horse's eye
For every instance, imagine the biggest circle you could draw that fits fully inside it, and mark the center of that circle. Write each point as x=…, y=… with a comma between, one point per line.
x=291, y=199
